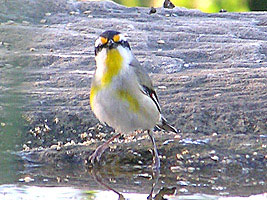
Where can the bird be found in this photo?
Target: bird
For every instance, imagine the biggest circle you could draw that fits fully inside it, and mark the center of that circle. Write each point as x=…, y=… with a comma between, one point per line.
x=122, y=93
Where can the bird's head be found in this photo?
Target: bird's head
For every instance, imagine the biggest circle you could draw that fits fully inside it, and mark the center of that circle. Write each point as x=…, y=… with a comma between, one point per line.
x=110, y=40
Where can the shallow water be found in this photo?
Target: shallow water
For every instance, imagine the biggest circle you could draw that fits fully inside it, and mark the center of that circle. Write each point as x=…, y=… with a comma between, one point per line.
x=24, y=180
x=8, y=192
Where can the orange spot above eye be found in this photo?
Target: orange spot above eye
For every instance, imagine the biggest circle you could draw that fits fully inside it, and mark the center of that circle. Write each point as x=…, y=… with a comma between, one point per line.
x=103, y=40
x=116, y=38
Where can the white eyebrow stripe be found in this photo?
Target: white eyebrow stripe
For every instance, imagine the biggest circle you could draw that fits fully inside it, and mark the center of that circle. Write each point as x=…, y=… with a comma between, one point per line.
x=98, y=42
x=123, y=36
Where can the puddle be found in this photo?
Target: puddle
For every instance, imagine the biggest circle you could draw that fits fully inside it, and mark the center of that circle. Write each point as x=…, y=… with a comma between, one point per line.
x=10, y=192
x=43, y=181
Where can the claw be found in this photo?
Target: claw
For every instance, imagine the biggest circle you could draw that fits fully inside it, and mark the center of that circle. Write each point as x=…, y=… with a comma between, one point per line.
x=97, y=154
x=100, y=150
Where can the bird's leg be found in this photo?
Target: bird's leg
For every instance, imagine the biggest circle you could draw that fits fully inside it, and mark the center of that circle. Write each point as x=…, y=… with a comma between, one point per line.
x=100, y=150
x=156, y=179
x=156, y=159
x=98, y=178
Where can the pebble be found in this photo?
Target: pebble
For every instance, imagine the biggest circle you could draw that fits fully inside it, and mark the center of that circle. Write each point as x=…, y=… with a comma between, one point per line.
x=145, y=175
x=215, y=158
x=27, y=179
x=25, y=147
x=10, y=22
x=54, y=146
x=183, y=190
x=87, y=12
x=25, y=22
x=162, y=87
x=218, y=188
x=182, y=183
x=177, y=136
x=212, y=152
x=56, y=120
x=84, y=135
x=176, y=169
x=191, y=169
x=161, y=42
x=217, y=95
x=74, y=13
x=47, y=128
x=6, y=44
x=43, y=21
x=179, y=156
x=185, y=152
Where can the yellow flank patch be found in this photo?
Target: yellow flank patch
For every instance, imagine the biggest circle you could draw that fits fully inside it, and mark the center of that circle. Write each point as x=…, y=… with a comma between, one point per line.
x=113, y=64
x=93, y=92
x=126, y=96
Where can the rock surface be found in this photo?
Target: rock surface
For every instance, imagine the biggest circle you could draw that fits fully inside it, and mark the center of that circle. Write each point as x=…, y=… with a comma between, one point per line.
x=209, y=71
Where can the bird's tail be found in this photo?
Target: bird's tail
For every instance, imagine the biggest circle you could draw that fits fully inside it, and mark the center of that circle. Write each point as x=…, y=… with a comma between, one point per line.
x=165, y=126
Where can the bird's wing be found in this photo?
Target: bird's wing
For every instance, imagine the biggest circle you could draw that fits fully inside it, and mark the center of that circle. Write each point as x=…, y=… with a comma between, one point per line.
x=147, y=88
x=145, y=82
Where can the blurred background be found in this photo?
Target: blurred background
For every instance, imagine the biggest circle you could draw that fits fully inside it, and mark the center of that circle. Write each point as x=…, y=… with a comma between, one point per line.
x=209, y=6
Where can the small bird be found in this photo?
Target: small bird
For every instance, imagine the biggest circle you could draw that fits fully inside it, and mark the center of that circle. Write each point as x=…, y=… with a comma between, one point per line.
x=122, y=94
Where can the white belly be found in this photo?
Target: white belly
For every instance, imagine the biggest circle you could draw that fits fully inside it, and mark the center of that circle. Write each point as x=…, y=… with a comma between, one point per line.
x=109, y=108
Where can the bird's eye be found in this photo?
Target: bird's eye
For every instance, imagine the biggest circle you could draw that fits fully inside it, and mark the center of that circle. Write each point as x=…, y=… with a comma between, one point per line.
x=103, y=40
x=116, y=38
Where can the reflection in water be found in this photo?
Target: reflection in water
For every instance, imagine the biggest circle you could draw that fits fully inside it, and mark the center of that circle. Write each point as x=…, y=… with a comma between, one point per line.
x=74, y=182
x=13, y=192
x=159, y=196
x=98, y=178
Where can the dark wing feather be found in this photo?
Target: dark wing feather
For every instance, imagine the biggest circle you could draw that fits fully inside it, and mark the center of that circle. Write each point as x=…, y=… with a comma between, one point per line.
x=145, y=82
x=147, y=88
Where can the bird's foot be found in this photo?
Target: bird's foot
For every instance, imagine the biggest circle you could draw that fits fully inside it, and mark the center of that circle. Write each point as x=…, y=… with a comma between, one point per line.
x=100, y=150
x=95, y=157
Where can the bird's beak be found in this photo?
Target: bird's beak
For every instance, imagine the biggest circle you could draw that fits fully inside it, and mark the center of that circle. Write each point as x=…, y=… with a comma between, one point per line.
x=110, y=43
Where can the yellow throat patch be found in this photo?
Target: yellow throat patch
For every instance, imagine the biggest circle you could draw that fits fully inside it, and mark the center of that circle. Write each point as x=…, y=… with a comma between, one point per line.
x=113, y=64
